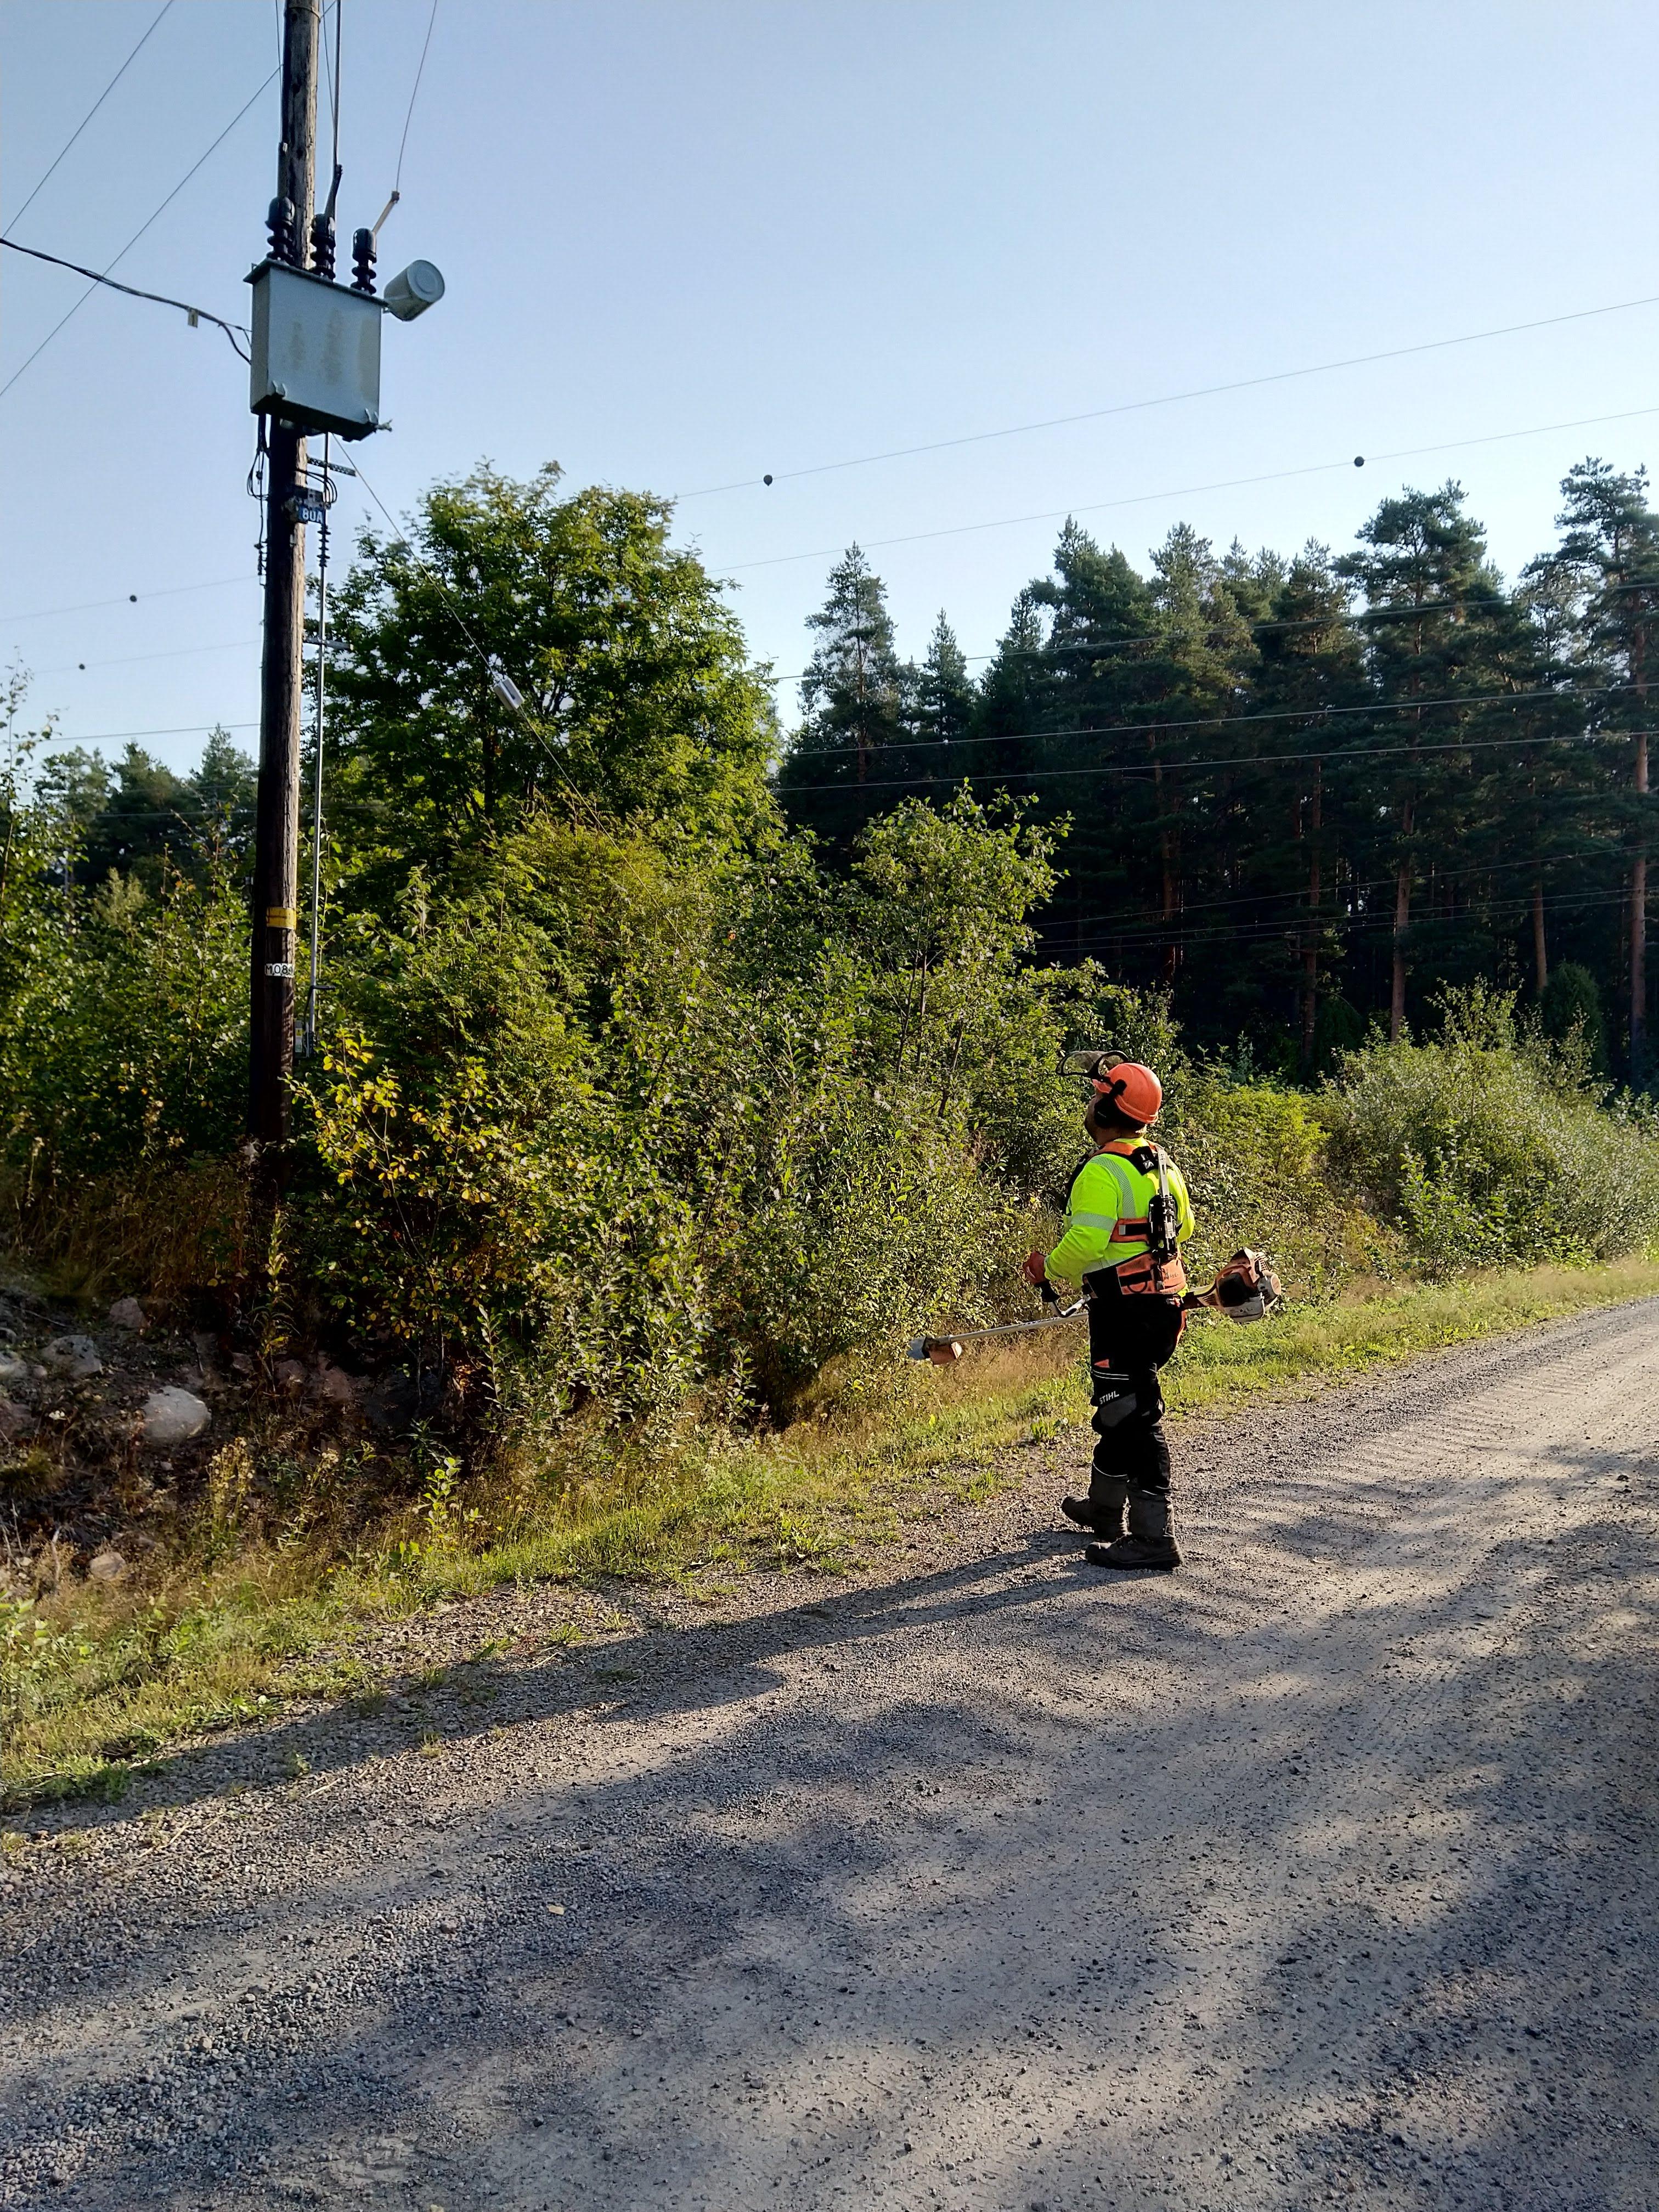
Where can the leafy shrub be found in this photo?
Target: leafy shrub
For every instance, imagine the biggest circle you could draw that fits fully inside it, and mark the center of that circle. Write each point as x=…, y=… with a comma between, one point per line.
x=126, y=1035
x=1486, y=1151
x=1254, y=1156
x=621, y=1117
x=1569, y=1010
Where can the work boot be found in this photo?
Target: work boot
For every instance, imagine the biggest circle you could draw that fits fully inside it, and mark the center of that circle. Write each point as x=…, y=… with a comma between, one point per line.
x=1149, y=1542
x=1102, y=1511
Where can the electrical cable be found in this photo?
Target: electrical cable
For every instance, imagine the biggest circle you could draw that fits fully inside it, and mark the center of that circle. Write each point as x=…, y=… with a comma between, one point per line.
x=1183, y=491
x=1146, y=930
x=1336, y=620
x=1476, y=871
x=232, y=330
x=1348, y=925
x=128, y=598
x=313, y=997
x=186, y=730
x=420, y=71
x=155, y=26
x=332, y=64
x=128, y=659
x=397, y=180
x=1175, y=765
x=1174, y=398
x=1231, y=721
x=29, y=362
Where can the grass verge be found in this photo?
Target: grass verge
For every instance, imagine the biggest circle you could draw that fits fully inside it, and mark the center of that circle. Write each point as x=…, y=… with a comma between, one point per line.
x=96, y=1680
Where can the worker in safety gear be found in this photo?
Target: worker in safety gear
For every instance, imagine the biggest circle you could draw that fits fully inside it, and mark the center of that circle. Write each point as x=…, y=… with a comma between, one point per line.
x=1126, y=1212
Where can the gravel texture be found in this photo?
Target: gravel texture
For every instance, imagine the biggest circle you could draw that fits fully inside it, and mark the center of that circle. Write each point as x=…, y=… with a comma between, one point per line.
x=1321, y=1872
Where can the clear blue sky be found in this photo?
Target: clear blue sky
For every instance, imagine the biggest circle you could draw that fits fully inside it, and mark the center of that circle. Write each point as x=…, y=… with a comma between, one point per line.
x=690, y=243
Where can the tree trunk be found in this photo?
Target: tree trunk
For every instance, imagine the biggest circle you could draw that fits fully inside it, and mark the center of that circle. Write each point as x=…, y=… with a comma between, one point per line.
x=1638, y=978
x=1171, y=881
x=1540, y=958
x=1310, y=947
x=1638, y=892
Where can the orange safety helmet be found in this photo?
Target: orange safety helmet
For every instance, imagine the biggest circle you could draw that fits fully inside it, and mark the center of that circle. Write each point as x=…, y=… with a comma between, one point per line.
x=1131, y=1090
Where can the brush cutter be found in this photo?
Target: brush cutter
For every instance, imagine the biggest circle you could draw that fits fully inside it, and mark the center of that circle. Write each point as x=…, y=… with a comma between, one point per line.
x=1245, y=1290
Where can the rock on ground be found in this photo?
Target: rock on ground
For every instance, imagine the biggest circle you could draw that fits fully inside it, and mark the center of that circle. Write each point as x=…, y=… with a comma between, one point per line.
x=1323, y=1871
x=173, y=1416
x=73, y=1357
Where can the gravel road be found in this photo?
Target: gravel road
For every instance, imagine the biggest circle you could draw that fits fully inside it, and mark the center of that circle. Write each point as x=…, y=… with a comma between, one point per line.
x=1323, y=1871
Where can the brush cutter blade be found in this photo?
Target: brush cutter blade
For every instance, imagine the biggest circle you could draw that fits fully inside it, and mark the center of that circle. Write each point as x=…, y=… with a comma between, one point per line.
x=942, y=1351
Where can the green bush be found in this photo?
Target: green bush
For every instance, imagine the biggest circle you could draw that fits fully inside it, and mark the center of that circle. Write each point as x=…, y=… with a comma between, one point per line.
x=623, y=1118
x=1255, y=1159
x=1487, y=1150
x=1569, y=1010
x=124, y=1038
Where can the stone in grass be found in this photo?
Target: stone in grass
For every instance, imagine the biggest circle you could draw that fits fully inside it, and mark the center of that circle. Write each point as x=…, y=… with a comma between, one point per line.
x=16, y=1422
x=333, y=1385
x=173, y=1416
x=107, y=1566
x=73, y=1357
x=127, y=1313
x=12, y=1370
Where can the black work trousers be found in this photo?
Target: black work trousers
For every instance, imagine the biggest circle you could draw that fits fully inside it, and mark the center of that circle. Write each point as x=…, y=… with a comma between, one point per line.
x=1130, y=1338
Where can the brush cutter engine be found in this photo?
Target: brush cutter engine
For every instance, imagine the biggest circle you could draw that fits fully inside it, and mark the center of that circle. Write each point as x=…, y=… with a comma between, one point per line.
x=1246, y=1289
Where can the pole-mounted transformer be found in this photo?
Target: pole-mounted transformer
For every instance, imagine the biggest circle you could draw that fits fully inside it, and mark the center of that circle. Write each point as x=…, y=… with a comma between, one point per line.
x=315, y=366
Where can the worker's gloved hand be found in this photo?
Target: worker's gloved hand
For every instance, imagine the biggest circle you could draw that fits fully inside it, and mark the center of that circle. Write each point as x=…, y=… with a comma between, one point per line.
x=1035, y=1270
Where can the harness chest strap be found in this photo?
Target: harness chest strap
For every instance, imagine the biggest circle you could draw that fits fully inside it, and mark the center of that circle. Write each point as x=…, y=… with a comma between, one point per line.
x=1122, y=1232
x=1141, y=1270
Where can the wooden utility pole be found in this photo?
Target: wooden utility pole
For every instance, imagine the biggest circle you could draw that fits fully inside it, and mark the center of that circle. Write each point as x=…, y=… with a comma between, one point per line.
x=277, y=834
x=1638, y=883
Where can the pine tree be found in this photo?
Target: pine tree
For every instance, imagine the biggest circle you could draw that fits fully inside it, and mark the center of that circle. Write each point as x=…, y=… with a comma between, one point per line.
x=859, y=699
x=1092, y=679
x=1610, y=547
x=1202, y=669
x=1298, y=809
x=944, y=692
x=1429, y=595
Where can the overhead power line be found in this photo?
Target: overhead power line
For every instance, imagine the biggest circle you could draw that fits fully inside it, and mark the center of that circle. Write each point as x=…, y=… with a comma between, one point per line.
x=1175, y=399
x=1187, y=491
x=188, y=730
x=130, y=660
x=129, y=598
x=1145, y=767
x=415, y=94
x=420, y=70
x=233, y=331
x=1337, y=618
x=1293, y=898
x=489, y=666
x=155, y=21
x=1320, y=714
x=31, y=359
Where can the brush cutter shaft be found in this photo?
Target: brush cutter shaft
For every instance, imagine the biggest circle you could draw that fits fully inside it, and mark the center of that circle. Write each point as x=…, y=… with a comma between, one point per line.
x=926, y=1348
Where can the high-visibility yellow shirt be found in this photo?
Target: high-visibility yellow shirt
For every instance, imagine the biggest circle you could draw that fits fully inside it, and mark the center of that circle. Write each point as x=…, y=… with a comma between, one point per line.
x=1106, y=1191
